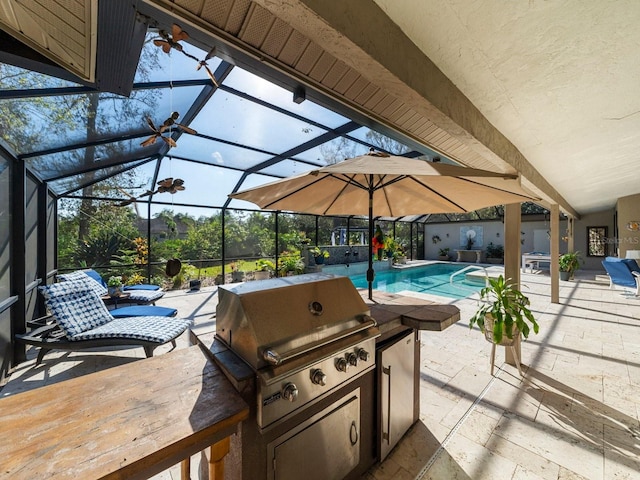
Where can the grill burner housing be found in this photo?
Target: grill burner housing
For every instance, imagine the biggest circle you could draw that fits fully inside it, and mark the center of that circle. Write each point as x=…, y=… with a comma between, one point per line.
x=301, y=350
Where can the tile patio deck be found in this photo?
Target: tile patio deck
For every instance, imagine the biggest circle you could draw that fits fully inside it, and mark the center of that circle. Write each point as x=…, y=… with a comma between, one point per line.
x=574, y=415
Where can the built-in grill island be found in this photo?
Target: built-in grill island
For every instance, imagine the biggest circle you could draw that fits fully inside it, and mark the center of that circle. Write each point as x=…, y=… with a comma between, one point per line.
x=302, y=352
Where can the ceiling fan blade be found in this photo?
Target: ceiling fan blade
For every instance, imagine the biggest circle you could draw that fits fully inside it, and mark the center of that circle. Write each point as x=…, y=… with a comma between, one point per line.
x=151, y=124
x=165, y=45
x=210, y=55
x=211, y=76
x=149, y=141
x=178, y=34
x=187, y=129
x=170, y=141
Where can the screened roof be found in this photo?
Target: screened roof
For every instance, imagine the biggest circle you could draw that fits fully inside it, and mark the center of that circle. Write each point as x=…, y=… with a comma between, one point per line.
x=244, y=131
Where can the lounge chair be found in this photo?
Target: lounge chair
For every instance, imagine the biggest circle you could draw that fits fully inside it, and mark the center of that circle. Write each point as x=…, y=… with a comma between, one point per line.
x=81, y=320
x=141, y=296
x=623, y=272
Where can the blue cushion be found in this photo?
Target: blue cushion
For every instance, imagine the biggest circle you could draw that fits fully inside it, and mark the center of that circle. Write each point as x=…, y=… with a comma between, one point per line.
x=146, y=296
x=144, y=286
x=619, y=273
x=75, y=307
x=629, y=262
x=143, y=311
x=632, y=264
x=96, y=276
x=82, y=276
x=152, y=329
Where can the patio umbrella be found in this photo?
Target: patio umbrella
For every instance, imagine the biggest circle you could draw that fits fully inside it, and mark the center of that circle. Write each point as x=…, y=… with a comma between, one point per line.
x=390, y=186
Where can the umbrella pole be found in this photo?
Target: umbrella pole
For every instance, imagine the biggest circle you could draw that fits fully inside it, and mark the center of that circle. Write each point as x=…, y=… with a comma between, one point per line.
x=370, y=272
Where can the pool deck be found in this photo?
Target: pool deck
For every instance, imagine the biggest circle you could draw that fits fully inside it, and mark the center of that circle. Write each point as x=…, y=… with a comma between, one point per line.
x=574, y=415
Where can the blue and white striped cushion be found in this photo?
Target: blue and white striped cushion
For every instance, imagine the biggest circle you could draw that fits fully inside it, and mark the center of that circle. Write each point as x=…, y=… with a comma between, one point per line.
x=81, y=276
x=75, y=307
x=152, y=329
x=146, y=296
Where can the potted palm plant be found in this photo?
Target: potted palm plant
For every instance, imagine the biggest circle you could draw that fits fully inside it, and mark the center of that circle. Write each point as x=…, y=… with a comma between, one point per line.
x=319, y=255
x=264, y=268
x=569, y=263
x=504, y=313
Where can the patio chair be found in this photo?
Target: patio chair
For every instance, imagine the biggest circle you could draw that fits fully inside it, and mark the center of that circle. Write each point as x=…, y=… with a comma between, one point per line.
x=623, y=272
x=81, y=320
x=141, y=296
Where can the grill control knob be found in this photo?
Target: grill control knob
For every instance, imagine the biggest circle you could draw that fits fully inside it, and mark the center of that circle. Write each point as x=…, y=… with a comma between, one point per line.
x=363, y=355
x=352, y=358
x=342, y=365
x=319, y=378
x=290, y=392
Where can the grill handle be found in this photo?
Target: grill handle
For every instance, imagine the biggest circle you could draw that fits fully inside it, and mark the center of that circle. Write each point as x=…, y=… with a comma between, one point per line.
x=271, y=355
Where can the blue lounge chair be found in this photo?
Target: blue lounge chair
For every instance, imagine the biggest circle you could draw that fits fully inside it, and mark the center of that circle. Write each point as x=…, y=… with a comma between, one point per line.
x=143, y=296
x=623, y=272
x=79, y=319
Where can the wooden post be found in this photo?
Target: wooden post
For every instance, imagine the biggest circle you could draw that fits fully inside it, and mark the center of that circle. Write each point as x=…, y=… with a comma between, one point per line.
x=185, y=469
x=555, y=252
x=216, y=459
x=512, y=257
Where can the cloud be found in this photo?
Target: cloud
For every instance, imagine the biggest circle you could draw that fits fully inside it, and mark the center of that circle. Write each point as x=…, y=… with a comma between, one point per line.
x=217, y=157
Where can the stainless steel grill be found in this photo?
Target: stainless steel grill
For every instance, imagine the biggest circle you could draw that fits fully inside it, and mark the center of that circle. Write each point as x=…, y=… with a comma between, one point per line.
x=302, y=335
x=310, y=342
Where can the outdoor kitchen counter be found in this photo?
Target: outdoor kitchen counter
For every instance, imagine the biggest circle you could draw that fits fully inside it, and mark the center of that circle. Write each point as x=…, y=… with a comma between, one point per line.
x=397, y=310
x=131, y=421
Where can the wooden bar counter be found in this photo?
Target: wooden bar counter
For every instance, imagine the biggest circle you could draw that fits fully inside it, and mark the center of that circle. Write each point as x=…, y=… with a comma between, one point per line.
x=128, y=422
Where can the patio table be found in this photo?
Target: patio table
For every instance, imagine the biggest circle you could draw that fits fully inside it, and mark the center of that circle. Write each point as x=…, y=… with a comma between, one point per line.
x=534, y=257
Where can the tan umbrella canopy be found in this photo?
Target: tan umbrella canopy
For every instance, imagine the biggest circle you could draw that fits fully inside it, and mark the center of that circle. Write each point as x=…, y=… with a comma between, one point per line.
x=390, y=186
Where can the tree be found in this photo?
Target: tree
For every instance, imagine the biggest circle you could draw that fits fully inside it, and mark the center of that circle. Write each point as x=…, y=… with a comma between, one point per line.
x=203, y=241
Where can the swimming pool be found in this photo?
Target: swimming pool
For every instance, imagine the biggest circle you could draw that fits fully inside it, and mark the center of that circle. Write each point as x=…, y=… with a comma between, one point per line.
x=432, y=279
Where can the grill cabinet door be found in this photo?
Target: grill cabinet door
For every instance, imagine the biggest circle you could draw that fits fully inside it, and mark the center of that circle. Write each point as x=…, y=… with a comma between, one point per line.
x=396, y=374
x=327, y=448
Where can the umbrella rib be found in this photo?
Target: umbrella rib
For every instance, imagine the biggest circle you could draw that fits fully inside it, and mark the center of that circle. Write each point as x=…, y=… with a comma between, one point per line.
x=293, y=192
x=439, y=194
x=347, y=181
x=464, y=180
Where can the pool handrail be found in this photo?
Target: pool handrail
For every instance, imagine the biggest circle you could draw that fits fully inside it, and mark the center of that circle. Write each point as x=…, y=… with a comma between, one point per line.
x=471, y=267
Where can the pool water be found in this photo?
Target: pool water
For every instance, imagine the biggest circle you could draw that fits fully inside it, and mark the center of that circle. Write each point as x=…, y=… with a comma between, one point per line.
x=432, y=279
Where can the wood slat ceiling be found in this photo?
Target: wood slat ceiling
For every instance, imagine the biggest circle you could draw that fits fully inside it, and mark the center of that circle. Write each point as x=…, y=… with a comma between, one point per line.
x=63, y=31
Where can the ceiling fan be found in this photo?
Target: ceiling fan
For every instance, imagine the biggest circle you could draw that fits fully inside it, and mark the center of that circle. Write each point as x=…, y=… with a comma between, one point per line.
x=168, y=124
x=169, y=41
x=168, y=185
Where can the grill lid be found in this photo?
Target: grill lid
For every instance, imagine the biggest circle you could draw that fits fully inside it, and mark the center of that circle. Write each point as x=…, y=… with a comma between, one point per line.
x=272, y=321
